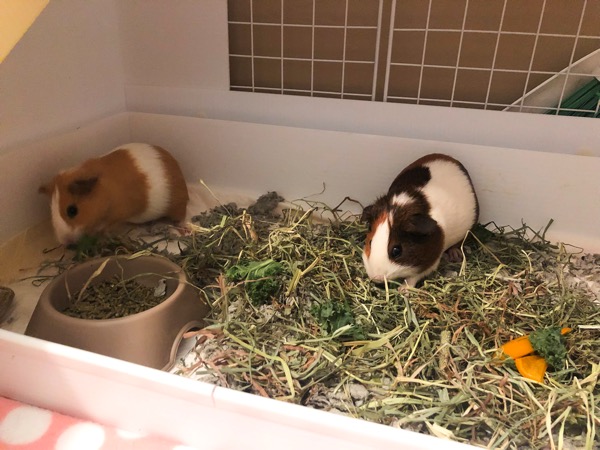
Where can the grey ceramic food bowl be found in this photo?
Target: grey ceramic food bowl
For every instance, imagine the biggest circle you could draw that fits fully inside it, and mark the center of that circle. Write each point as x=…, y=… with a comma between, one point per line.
x=149, y=338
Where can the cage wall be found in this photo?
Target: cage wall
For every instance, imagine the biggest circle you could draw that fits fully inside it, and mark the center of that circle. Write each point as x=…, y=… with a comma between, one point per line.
x=483, y=54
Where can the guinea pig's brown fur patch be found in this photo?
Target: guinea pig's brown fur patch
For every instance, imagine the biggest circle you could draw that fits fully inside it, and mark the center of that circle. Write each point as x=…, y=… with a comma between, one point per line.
x=421, y=237
x=373, y=227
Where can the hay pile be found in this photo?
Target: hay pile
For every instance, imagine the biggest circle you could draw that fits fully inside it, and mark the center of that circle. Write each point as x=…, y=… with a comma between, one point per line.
x=421, y=359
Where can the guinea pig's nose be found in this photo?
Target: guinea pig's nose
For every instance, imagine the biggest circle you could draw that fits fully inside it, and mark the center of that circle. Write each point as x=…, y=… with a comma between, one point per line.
x=378, y=281
x=378, y=284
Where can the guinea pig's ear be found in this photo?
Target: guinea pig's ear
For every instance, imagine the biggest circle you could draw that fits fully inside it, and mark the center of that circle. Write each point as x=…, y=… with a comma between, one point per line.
x=82, y=186
x=47, y=188
x=372, y=212
x=367, y=214
x=421, y=224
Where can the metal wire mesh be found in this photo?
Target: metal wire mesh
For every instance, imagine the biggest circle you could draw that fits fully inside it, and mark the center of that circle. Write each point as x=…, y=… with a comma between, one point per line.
x=514, y=55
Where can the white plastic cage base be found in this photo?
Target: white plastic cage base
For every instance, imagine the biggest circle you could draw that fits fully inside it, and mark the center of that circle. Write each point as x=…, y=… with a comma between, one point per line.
x=143, y=400
x=512, y=185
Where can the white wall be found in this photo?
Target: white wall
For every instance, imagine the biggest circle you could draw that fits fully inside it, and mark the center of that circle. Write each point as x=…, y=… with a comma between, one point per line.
x=71, y=67
x=512, y=185
x=570, y=135
x=65, y=71
x=179, y=43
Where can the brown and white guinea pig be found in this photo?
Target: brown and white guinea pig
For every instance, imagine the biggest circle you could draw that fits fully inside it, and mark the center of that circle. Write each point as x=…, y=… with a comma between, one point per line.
x=430, y=207
x=134, y=183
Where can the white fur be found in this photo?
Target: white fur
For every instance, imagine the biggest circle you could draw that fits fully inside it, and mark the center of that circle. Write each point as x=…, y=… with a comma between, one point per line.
x=452, y=201
x=148, y=161
x=378, y=264
x=402, y=199
x=64, y=233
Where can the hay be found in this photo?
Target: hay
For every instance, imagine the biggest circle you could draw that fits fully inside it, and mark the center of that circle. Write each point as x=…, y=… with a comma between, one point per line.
x=421, y=359
x=114, y=298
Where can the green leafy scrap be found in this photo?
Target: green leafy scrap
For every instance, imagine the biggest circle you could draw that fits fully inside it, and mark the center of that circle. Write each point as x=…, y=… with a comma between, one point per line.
x=333, y=315
x=549, y=343
x=261, y=279
x=87, y=245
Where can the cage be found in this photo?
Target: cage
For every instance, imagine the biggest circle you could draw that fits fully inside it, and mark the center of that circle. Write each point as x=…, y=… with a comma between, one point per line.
x=292, y=96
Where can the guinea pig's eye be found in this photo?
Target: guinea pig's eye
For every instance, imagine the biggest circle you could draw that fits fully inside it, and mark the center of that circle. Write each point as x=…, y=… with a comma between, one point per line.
x=72, y=211
x=396, y=251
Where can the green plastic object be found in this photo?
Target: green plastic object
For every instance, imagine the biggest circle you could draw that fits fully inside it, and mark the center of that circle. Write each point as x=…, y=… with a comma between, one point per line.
x=582, y=103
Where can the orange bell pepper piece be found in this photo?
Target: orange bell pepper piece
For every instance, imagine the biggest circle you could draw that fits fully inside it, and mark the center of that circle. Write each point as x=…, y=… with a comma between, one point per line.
x=529, y=366
x=532, y=367
x=518, y=347
x=521, y=346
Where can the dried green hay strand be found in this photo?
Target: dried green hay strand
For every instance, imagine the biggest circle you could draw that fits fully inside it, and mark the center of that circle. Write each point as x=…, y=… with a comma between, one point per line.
x=418, y=358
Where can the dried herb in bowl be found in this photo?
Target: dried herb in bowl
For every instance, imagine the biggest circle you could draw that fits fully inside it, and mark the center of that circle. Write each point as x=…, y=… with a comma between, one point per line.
x=114, y=298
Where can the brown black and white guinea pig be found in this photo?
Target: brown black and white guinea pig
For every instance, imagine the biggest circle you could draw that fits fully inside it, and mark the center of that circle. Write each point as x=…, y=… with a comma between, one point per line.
x=430, y=207
x=134, y=183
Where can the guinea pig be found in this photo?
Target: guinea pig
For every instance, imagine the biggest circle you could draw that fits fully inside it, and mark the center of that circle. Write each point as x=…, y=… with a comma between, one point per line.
x=134, y=183
x=430, y=207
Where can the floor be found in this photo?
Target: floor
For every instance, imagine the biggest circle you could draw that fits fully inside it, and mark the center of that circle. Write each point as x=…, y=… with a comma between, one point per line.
x=27, y=427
